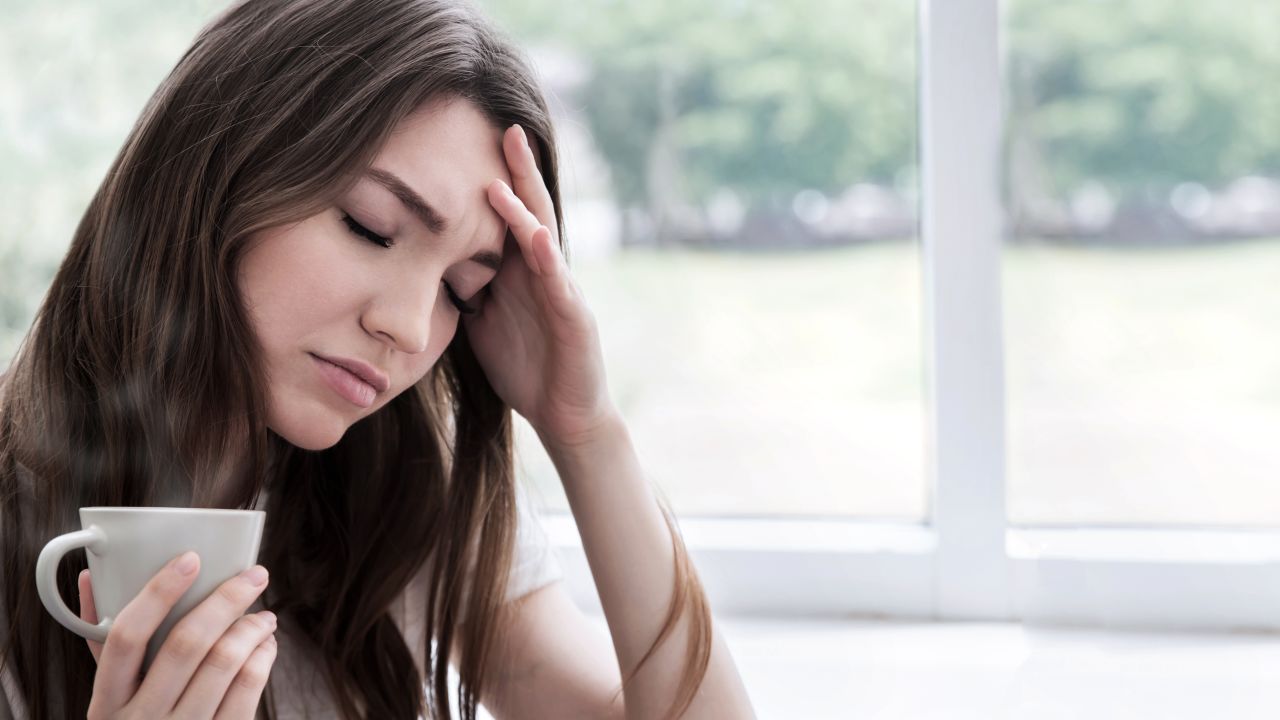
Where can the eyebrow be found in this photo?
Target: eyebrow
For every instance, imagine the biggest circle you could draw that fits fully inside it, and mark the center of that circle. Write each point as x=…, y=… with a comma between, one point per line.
x=437, y=223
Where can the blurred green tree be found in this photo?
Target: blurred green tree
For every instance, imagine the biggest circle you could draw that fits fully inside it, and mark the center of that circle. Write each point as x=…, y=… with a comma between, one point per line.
x=764, y=98
x=770, y=98
x=1146, y=94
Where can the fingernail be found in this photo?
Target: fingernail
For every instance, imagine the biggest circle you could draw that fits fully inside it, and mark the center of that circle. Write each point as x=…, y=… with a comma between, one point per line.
x=256, y=575
x=187, y=563
x=270, y=617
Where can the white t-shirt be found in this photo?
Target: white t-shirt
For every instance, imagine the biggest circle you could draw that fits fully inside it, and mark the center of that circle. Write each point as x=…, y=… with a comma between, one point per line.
x=297, y=678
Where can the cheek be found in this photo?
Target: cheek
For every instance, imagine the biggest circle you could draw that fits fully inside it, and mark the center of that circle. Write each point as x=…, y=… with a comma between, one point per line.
x=443, y=329
x=296, y=289
x=292, y=282
x=260, y=279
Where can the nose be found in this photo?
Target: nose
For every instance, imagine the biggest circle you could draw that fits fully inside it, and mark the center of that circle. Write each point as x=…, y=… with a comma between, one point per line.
x=400, y=314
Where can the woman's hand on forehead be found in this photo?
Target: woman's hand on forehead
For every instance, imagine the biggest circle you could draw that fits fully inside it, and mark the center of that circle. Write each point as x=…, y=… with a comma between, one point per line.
x=534, y=336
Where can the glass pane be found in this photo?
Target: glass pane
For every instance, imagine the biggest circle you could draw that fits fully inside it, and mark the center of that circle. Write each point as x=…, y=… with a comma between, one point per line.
x=1140, y=283
x=741, y=210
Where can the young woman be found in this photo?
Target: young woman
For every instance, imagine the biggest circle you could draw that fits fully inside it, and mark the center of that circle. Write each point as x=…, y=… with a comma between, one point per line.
x=321, y=274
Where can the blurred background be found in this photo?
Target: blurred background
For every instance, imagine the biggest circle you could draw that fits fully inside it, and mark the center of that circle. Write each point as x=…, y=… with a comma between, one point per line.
x=742, y=209
x=742, y=206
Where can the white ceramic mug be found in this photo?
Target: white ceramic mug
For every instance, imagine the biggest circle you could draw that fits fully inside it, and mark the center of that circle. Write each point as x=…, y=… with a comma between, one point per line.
x=126, y=546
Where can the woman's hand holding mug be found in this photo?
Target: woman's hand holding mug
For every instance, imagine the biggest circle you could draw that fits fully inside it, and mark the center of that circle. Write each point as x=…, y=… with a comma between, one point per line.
x=170, y=634
x=213, y=664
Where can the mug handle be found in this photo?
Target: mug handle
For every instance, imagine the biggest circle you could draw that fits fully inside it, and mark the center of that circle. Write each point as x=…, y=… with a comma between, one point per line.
x=92, y=538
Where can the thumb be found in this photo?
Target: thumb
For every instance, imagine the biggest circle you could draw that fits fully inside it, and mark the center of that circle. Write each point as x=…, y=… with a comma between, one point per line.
x=89, y=611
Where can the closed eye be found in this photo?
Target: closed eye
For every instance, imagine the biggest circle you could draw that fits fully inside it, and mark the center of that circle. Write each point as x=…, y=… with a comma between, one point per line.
x=463, y=308
x=365, y=232
x=386, y=242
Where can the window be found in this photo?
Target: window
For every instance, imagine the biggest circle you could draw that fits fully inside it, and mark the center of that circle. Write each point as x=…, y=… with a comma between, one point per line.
x=943, y=310
x=1140, y=275
x=741, y=187
x=1014, y=528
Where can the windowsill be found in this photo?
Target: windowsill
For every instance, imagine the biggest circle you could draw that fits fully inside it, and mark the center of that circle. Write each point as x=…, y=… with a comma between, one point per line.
x=1155, y=545
x=1137, y=578
x=778, y=535
x=1219, y=547
x=977, y=671
x=796, y=668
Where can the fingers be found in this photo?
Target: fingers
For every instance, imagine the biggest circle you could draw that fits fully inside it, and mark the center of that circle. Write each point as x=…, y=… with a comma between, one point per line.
x=121, y=658
x=559, y=284
x=539, y=248
x=89, y=611
x=191, y=639
x=525, y=176
x=241, y=700
x=527, y=205
x=547, y=252
x=530, y=214
x=519, y=219
x=225, y=662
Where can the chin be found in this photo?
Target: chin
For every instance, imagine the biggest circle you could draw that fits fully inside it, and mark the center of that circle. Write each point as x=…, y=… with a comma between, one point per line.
x=312, y=429
x=312, y=440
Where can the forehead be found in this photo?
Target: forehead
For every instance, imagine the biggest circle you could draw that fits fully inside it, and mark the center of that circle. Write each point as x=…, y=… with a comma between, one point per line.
x=448, y=152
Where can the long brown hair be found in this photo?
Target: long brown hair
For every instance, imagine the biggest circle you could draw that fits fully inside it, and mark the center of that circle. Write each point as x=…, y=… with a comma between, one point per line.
x=140, y=374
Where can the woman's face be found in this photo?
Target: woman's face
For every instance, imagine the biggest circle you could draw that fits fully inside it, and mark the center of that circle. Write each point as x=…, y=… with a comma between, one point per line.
x=325, y=292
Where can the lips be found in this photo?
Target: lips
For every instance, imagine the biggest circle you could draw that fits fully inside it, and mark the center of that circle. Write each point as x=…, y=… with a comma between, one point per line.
x=353, y=380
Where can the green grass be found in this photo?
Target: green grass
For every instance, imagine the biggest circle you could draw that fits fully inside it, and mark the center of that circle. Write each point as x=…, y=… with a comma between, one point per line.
x=1142, y=385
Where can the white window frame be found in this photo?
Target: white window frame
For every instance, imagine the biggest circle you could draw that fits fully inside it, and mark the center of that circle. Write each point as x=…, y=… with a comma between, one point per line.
x=967, y=563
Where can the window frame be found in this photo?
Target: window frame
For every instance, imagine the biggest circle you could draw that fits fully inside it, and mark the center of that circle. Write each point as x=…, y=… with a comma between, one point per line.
x=967, y=562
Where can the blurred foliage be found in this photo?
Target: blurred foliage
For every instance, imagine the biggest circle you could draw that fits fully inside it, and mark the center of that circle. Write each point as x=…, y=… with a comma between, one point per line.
x=763, y=97
x=1147, y=93
x=74, y=75
x=22, y=283
x=683, y=98
x=770, y=98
